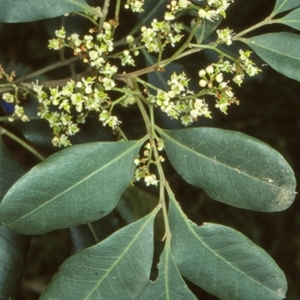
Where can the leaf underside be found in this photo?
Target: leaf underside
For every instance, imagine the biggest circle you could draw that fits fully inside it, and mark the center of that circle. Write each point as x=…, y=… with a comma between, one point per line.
x=117, y=268
x=223, y=261
x=169, y=285
x=279, y=50
x=27, y=11
x=284, y=5
x=292, y=19
x=231, y=167
x=75, y=186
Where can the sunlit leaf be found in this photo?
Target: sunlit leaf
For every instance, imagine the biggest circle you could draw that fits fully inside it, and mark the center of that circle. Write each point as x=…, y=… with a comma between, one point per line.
x=284, y=5
x=74, y=186
x=223, y=261
x=231, y=167
x=117, y=268
x=292, y=19
x=280, y=50
x=26, y=11
x=169, y=285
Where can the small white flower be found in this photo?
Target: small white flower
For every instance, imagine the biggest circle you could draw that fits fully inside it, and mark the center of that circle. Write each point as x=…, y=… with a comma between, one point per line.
x=225, y=35
x=219, y=78
x=151, y=180
x=202, y=82
x=108, y=83
x=8, y=97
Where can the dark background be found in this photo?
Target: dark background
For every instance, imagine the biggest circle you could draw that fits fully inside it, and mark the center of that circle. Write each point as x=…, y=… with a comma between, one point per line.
x=269, y=110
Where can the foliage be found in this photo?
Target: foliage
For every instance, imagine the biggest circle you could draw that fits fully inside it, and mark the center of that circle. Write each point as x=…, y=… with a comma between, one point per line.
x=127, y=79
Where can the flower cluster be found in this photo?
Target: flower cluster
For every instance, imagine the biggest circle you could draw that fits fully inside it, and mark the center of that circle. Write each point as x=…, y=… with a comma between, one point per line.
x=19, y=111
x=91, y=48
x=174, y=7
x=214, y=9
x=243, y=65
x=179, y=101
x=9, y=77
x=143, y=164
x=211, y=11
x=160, y=34
x=88, y=94
x=135, y=5
x=225, y=36
x=212, y=78
x=64, y=108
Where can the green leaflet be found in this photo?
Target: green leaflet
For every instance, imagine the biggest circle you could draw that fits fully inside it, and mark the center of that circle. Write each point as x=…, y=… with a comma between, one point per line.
x=169, y=285
x=27, y=11
x=231, y=167
x=284, y=5
x=117, y=268
x=279, y=50
x=74, y=186
x=292, y=19
x=223, y=261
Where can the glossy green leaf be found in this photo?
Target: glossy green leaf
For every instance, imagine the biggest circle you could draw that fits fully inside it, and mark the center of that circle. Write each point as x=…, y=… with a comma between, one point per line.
x=223, y=261
x=284, y=5
x=231, y=167
x=279, y=50
x=27, y=11
x=117, y=268
x=292, y=19
x=169, y=285
x=13, y=252
x=74, y=186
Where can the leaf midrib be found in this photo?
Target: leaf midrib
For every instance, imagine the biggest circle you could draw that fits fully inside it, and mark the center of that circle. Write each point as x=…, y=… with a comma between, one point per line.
x=187, y=222
x=224, y=165
x=76, y=184
x=126, y=249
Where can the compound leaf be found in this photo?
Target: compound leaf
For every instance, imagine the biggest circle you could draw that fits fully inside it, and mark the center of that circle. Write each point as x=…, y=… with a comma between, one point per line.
x=223, y=261
x=117, y=268
x=231, y=167
x=27, y=11
x=74, y=186
x=279, y=50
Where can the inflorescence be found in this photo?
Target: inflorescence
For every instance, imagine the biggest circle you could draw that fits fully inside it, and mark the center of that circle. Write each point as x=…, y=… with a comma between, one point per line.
x=67, y=106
